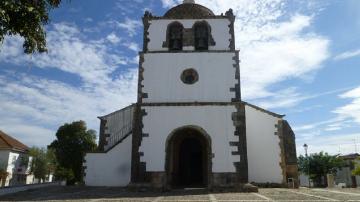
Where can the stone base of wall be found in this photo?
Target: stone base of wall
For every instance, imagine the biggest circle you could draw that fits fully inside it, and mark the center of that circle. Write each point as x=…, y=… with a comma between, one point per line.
x=224, y=180
x=292, y=172
x=230, y=182
x=219, y=182
x=156, y=179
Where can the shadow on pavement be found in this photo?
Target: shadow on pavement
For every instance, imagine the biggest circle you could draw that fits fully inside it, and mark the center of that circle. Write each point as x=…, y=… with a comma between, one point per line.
x=90, y=193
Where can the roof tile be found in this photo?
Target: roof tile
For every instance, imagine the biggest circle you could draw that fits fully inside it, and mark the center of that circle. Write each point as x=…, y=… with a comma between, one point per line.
x=8, y=142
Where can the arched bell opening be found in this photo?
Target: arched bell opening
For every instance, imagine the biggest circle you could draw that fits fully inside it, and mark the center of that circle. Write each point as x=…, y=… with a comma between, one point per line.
x=175, y=36
x=202, y=38
x=188, y=158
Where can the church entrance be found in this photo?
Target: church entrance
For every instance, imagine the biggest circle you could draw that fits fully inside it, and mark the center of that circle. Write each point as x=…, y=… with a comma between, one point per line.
x=188, y=157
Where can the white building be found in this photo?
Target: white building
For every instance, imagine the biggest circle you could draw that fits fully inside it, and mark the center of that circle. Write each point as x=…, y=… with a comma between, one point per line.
x=190, y=127
x=14, y=160
x=344, y=175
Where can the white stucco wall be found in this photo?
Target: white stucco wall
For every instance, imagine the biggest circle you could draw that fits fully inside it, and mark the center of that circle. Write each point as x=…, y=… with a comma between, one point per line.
x=219, y=31
x=215, y=120
x=162, y=77
x=262, y=147
x=110, y=169
x=13, y=161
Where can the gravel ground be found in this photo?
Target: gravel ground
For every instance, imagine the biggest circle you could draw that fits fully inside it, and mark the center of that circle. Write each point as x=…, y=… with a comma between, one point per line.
x=89, y=194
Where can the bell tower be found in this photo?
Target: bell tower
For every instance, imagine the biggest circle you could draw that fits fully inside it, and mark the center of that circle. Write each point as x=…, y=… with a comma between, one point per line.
x=189, y=94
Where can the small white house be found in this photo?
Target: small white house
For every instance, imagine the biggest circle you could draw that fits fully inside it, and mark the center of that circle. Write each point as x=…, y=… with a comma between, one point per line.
x=190, y=127
x=15, y=161
x=344, y=175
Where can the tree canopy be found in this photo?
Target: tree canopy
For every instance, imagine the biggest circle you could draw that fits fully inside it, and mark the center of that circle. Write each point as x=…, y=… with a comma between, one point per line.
x=318, y=165
x=356, y=171
x=43, y=162
x=72, y=142
x=3, y=172
x=27, y=19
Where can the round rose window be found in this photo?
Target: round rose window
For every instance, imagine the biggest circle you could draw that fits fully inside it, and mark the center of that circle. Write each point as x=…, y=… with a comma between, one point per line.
x=189, y=76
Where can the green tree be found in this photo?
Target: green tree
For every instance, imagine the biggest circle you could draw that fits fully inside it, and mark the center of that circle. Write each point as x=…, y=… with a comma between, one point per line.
x=26, y=18
x=43, y=162
x=356, y=171
x=318, y=165
x=72, y=142
x=3, y=173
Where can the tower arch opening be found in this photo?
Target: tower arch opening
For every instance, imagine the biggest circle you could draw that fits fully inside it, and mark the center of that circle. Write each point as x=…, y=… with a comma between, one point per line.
x=201, y=35
x=188, y=158
x=175, y=36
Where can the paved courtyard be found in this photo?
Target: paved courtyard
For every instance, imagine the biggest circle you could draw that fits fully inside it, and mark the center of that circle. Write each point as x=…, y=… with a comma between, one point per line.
x=117, y=194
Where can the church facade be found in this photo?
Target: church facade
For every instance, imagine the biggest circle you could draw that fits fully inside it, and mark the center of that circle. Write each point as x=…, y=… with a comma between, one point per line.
x=189, y=127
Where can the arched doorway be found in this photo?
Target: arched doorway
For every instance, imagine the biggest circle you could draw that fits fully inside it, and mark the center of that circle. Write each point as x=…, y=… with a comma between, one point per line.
x=188, y=158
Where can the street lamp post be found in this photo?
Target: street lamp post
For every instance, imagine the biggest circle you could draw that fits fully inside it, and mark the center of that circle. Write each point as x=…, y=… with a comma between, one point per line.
x=307, y=158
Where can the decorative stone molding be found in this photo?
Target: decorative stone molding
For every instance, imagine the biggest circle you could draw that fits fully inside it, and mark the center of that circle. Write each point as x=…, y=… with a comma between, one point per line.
x=240, y=131
x=136, y=141
x=282, y=162
x=237, y=88
x=230, y=15
x=141, y=78
x=146, y=22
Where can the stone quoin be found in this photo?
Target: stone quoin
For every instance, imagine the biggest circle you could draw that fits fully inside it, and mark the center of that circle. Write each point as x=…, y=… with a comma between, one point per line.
x=189, y=127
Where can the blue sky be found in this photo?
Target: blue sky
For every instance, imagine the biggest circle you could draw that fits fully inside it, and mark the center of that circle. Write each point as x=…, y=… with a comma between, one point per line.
x=298, y=57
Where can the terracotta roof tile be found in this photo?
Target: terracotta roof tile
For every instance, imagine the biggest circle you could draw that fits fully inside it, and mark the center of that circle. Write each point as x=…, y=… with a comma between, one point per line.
x=7, y=142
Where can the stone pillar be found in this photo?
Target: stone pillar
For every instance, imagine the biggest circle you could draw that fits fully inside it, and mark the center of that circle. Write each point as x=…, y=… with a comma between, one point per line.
x=330, y=180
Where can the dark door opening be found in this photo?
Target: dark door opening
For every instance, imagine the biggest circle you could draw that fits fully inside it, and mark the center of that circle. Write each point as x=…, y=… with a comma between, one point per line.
x=188, y=153
x=190, y=163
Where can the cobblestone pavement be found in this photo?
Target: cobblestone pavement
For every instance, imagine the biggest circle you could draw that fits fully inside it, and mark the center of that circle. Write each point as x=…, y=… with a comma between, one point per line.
x=80, y=194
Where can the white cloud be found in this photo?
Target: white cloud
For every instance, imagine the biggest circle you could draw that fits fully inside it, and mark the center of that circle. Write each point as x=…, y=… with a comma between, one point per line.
x=130, y=26
x=275, y=44
x=352, y=109
x=44, y=103
x=290, y=97
x=33, y=107
x=280, y=52
x=168, y=3
x=113, y=38
x=340, y=143
x=281, y=99
x=91, y=60
x=347, y=55
x=133, y=46
x=316, y=125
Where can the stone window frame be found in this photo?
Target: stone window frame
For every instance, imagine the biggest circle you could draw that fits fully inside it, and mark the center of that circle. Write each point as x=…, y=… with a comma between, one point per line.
x=192, y=72
x=169, y=150
x=210, y=39
x=188, y=36
x=167, y=43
